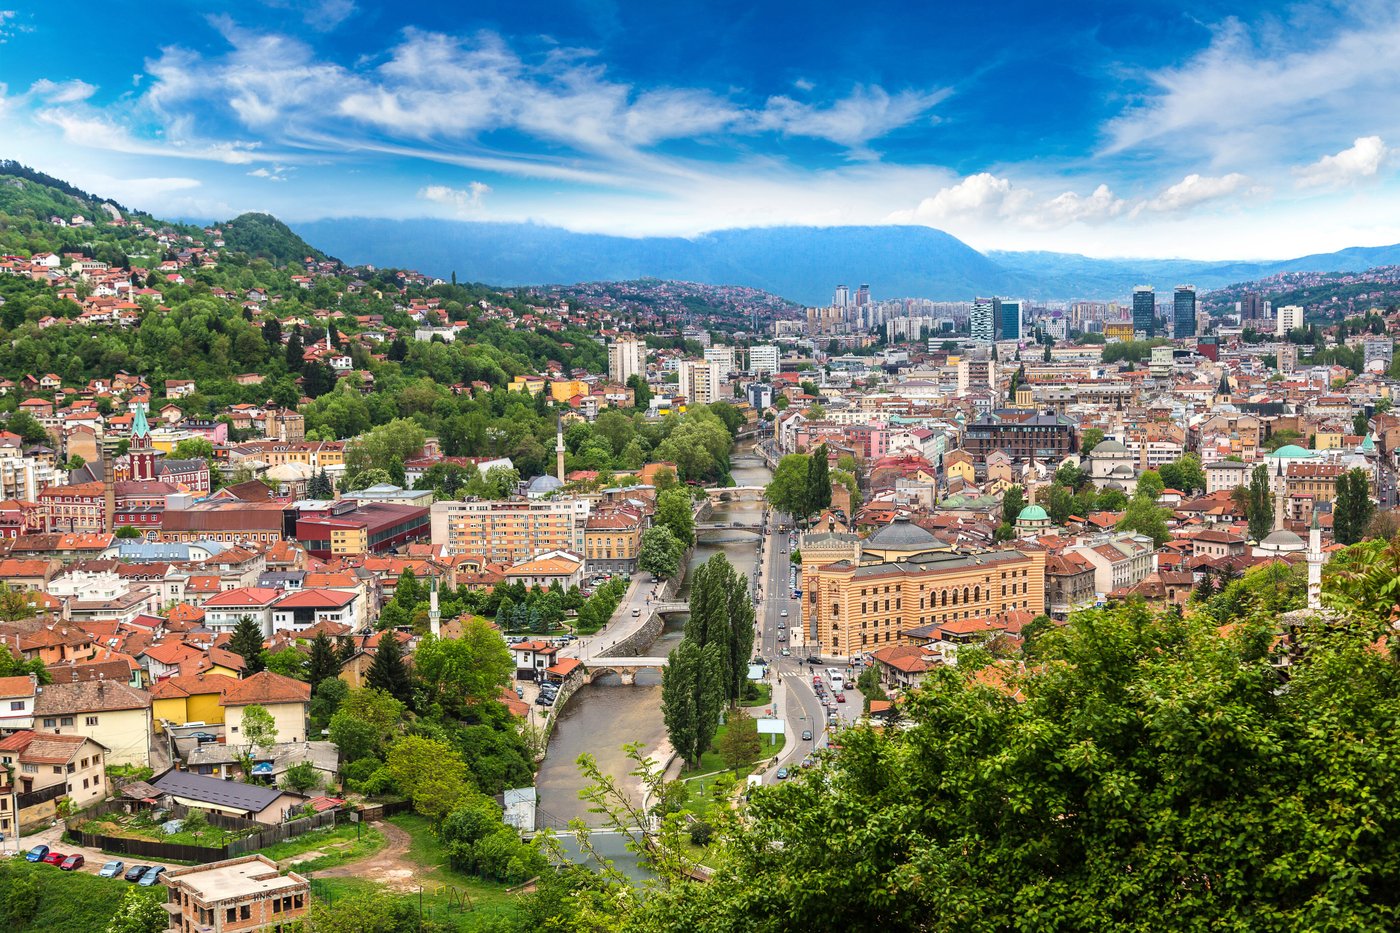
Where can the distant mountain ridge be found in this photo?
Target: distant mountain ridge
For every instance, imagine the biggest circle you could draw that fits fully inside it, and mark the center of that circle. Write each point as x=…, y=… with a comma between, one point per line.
x=800, y=263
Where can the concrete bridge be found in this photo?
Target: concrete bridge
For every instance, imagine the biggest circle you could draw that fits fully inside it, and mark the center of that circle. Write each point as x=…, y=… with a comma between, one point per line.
x=729, y=526
x=625, y=668
x=668, y=608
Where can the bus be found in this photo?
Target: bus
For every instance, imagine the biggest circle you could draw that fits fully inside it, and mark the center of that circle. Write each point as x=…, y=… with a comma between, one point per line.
x=837, y=679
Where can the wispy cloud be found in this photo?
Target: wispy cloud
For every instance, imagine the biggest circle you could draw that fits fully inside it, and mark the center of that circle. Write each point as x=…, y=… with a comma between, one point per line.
x=1363, y=160
x=10, y=25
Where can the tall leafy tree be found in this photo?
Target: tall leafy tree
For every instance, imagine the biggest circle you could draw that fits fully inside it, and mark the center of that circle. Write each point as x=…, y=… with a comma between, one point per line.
x=678, y=696
x=1012, y=502
x=787, y=490
x=674, y=511
x=1352, y=508
x=1260, y=510
x=818, y=481
x=247, y=643
x=1146, y=517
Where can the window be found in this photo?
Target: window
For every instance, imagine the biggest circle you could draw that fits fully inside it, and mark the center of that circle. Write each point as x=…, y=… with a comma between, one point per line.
x=50, y=722
x=16, y=704
x=66, y=721
x=90, y=721
x=245, y=912
x=230, y=915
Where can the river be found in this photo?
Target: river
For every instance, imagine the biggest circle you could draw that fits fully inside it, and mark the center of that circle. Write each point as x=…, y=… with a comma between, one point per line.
x=605, y=715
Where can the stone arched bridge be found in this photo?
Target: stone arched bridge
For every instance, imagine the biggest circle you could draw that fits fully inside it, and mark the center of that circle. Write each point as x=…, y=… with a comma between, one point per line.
x=625, y=668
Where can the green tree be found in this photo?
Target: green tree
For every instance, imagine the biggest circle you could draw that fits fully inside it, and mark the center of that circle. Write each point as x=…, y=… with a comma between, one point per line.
x=660, y=552
x=429, y=772
x=322, y=662
x=247, y=642
x=739, y=746
x=818, y=481
x=1352, y=509
x=1089, y=439
x=1145, y=517
x=641, y=392
x=1360, y=424
x=787, y=491
x=456, y=674
x=1150, y=484
x=258, y=726
x=301, y=777
x=320, y=486
x=1184, y=474
x=674, y=511
x=388, y=672
x=369, y=910
x=127, y=533
x=1260, y=504
x=289, y=662
x=138, y=913
x=1013, y=500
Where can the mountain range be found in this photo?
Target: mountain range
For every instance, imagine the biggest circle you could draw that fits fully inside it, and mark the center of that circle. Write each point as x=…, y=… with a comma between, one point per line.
x=803, y=264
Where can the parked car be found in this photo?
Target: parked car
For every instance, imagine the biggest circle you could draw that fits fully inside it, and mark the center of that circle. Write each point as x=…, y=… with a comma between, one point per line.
x=37, y=854
x=840, y=698
x=72, y=862
x=806, y=735
x=135, y=872
x=204, y=738
x=54, y=858
x=111, y=870
x=151, y=876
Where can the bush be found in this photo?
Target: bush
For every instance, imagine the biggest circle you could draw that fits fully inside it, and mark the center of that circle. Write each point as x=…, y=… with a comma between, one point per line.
x=358, y=772
x=701, y=833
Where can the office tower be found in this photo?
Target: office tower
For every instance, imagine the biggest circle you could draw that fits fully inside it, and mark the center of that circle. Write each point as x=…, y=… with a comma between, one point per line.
x=862, y=296
x=1252, y=308
x=1145, y=310
x=626, y=358
x=1290, y=317
x=980, y=323
x=1184, y=312
x=700, y=381
x=723, y=357
x=1009, y=315
x=763, y=359
x=760, y=395
x=843, y=297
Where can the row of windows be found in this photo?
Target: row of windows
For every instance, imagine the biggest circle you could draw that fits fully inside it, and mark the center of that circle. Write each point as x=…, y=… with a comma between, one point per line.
x=51, y=722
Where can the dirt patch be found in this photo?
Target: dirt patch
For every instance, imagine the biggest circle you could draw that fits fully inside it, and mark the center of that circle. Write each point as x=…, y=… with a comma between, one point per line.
x=388, y=866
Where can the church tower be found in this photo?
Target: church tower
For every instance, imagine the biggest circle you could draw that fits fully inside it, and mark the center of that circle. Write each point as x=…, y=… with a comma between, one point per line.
x=141, y=456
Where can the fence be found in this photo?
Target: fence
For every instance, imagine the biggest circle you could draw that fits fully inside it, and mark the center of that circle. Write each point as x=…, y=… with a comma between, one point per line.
x=157, y=850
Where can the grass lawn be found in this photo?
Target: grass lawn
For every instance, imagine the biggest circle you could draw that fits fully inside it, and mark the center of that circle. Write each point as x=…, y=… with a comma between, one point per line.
x=765, y=696
x=131, y=828
x=701, y=779
x=444, y=891
x=70, y=900
x=339, y=844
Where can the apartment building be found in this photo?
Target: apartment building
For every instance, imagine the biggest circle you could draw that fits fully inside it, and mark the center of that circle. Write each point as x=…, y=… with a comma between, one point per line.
x=242, y=894
x=612, y=540
x=510, y=530
x=627, y=358
x=700, y=381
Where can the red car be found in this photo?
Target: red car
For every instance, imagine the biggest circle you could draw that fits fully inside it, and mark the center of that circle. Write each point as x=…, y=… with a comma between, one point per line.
x=54, y=858
x=72, y=863
x=840, y=698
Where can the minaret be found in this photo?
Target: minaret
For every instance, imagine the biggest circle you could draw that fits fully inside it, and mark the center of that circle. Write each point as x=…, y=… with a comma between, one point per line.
x=559, y=447
x=434, y=613
x=1315, y=560
x=1279, y=497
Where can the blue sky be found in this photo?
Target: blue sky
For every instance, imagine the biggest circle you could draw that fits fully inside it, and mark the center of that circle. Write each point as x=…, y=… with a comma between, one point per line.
x=1110, y=128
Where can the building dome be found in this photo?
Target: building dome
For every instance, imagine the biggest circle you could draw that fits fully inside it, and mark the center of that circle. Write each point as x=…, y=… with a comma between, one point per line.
x=1291, y=452
x=900, y=535
x=1108, y=447
x=1283, y=540
x=543, y=485
x=1033, y=513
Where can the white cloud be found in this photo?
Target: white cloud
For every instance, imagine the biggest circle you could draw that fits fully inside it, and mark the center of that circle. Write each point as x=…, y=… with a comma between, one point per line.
x=1197, y=189
x=868, y=113
x=98, y=132
x=275, y=173
x=1364, y=160
x=986, y=198
x=463, y=201
x=62, y=92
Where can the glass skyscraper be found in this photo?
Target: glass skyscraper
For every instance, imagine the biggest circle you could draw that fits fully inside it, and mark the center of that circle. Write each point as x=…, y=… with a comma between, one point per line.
x=1145, y=310
x=1184, y=312
x=1008, y=315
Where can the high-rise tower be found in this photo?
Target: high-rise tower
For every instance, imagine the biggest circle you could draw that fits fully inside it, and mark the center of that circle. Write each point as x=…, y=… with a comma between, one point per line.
x=1145, y=310
x=1184, y=312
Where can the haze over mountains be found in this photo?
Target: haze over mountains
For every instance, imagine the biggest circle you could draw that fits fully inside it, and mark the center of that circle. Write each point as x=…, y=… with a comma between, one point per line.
x=800, y=263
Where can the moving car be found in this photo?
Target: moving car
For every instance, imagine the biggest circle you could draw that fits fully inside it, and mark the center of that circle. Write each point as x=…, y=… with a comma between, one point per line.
x=151, y=876
x=813, y=659
x=72, y=863
x=37, y=854
x=111, y=869
x=54, y=858
x=786, y=652
x=806, y=735
x=784, y=613
x=782, y=774
x=840, y=698
x=135, y=872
